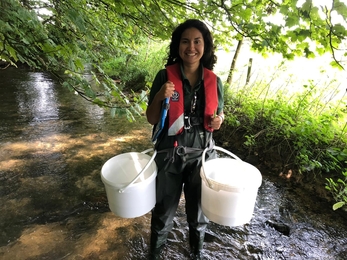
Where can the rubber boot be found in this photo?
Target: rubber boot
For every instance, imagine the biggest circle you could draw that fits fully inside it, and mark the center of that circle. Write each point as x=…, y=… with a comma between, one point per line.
x=156, y=246
x=154, y=254
x=196, y=242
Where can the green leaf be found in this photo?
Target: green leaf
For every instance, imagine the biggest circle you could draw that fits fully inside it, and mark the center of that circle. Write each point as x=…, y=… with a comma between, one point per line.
x=307, y=6
x=12, y=52
x=79, y=64
x=340, y=7
x=303, y=34
x=90, y=93
x=338, y=205
x=334, y=64
x=291, y=21
x=339, y=29
x=98, y=101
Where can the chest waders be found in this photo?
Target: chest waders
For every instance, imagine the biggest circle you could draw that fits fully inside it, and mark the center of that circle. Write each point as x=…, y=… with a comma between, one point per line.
x=179, y=169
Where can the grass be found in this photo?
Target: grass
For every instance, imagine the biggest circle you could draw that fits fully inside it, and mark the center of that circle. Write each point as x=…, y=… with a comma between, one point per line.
x=300, y=122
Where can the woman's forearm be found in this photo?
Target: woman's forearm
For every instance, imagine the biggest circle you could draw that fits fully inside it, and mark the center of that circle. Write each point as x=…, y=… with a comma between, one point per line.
x=153, y=111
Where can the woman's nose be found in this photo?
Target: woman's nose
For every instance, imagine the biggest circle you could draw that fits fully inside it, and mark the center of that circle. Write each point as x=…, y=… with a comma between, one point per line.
x=191, y=45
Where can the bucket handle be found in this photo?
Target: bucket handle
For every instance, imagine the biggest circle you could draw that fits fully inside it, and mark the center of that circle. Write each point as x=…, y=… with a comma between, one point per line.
x=143, y=170
x=203, y=160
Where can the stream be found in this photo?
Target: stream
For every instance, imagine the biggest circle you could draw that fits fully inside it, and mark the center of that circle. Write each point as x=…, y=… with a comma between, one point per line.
x=54, y=205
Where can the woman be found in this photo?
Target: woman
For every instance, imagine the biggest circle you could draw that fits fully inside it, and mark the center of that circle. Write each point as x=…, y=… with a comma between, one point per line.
x=195, y=110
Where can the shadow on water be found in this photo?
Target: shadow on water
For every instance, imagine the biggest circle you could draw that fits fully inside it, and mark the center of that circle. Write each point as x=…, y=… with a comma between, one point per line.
x=54, y=205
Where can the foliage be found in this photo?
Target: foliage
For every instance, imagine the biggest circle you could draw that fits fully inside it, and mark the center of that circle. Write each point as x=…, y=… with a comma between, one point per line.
x=75, y=33
x=339, y=190
x=292, y=28
x=302, y=132
x=133, y=71
x=304, y=136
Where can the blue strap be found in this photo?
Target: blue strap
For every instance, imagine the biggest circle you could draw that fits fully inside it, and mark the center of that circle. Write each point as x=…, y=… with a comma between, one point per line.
x=160, y=125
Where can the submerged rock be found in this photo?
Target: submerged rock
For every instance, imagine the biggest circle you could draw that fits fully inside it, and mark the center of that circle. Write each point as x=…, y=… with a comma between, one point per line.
x=279, y=226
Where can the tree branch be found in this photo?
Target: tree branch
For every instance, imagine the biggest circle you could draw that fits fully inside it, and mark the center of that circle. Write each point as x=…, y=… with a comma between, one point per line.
x=330, y=24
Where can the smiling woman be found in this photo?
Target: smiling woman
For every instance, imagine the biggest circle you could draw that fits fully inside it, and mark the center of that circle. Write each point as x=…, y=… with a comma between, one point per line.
x=196, y=96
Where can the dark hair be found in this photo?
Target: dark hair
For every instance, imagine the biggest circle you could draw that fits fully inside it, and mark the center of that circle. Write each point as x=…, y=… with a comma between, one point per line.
x=208, y=59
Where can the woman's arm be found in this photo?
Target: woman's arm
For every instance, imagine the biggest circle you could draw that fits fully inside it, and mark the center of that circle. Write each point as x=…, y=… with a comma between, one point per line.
x=153, y=110
x=216, y=121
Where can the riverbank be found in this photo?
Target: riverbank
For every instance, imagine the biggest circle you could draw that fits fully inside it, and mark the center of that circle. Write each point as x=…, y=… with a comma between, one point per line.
x=271, y=164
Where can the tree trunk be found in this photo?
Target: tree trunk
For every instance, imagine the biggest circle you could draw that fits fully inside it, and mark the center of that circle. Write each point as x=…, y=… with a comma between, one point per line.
x=233, y=63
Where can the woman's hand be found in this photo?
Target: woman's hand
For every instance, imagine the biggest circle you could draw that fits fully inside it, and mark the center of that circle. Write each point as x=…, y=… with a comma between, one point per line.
x=166, y=90
x=153, y=111
x=216, y=121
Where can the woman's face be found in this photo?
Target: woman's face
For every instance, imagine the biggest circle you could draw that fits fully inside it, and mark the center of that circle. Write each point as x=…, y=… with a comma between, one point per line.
x=191, y=47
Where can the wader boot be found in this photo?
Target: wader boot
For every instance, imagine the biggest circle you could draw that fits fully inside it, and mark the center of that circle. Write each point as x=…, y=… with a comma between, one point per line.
x=154, y=253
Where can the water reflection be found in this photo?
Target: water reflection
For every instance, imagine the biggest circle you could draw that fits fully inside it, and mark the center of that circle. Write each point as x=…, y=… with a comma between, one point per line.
x=53, y=202
x=39, y=99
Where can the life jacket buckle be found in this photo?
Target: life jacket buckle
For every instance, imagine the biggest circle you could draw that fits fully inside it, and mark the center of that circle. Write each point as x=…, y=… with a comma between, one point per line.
x=187, y=123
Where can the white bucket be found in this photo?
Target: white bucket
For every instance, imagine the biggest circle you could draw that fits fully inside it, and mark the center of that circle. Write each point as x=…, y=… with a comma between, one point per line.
x=129, y=180
x=229, y=189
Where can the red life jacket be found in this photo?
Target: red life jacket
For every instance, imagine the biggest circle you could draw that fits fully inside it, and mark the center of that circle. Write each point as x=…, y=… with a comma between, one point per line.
x=176, y=111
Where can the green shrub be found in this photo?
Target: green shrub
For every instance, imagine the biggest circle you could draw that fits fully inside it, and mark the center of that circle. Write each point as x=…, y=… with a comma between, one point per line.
x=338, y=190
x=133, y=70
x=308, y=134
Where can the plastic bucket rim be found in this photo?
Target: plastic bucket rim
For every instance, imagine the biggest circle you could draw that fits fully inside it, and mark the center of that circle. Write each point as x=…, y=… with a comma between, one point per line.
x=212, y=182
x=149, y=179
x=123, y=184
x=216, y=186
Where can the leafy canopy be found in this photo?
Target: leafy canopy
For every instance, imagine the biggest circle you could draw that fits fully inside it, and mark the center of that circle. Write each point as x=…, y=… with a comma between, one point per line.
x=64, y=36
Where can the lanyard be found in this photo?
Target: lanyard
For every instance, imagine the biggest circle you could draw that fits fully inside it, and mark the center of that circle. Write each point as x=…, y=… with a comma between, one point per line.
x=193, y=103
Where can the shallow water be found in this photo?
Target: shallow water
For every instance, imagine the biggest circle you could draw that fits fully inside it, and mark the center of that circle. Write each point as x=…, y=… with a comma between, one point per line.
x=54, y=206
